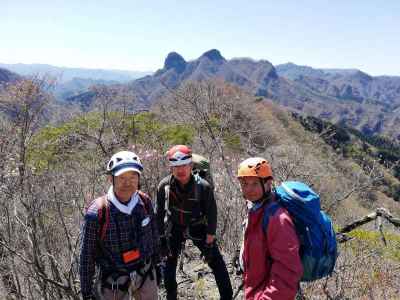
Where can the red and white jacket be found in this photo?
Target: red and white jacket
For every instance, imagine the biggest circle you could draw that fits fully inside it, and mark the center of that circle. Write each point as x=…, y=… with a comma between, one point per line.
x=271, y=261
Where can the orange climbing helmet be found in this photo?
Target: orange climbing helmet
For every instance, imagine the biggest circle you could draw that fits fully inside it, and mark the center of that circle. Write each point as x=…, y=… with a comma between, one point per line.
x=255, y=167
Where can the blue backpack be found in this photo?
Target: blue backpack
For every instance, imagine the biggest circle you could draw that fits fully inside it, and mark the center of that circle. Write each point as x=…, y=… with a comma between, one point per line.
x=318, y=248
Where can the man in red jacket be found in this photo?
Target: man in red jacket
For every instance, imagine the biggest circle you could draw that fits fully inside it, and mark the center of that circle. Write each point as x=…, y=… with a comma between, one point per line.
x=270, y=258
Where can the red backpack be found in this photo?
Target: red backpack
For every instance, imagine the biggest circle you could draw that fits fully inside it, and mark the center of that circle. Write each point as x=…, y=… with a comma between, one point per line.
x=103, y=211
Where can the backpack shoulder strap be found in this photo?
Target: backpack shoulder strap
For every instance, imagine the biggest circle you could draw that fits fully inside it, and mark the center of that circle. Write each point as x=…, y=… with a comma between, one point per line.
x=146, y=201
x=269, y=211
x=198, y=186
x=103, y=215
x=167, y=190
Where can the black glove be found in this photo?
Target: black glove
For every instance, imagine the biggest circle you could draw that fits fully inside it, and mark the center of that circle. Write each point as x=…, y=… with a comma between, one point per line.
x=160, y=268
x=208, y=252
x=164, y=247
x=89, y=298
x=236, y=263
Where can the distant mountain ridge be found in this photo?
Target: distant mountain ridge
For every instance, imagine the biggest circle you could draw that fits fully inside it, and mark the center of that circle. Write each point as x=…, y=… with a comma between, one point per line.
x=77, y=86
x=348, y=84
x=293, y=71
x=248, y=74
x=74, y=81
x=65, y=74
x=7, y=76
x=349, y=96
x=368, y=103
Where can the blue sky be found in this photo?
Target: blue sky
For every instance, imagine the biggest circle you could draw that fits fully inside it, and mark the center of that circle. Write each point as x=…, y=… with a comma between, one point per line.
x=138, y=35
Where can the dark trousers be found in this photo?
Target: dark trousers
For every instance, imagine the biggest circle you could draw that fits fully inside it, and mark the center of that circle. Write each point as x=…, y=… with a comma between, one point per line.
x=216, y=263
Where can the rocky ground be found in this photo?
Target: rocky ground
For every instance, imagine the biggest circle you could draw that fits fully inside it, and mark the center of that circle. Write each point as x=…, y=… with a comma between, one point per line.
x=195, y=279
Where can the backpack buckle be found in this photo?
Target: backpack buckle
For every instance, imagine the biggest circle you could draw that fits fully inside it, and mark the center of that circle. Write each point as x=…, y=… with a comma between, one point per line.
x=114, y=285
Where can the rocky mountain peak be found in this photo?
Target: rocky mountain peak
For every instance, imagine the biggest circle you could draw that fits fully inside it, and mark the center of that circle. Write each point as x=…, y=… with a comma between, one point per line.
x=213, y=55
x=175, y=61
x=361, y=75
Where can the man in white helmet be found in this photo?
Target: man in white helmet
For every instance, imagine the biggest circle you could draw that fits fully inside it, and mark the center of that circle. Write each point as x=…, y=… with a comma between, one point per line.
x=120, y=237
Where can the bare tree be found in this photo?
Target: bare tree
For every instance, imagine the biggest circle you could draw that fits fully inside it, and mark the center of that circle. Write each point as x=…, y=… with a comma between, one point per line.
x=32, y=234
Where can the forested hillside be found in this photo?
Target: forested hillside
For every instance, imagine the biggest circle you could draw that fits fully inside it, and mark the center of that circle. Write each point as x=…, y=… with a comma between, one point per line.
x=50, y=168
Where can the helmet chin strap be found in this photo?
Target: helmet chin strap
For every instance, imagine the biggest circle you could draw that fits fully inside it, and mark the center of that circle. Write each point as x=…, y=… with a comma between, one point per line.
x=262, y=185
x=266, y=194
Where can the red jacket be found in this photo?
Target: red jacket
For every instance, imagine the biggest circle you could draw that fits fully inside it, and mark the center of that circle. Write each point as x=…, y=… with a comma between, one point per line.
x=271, y=261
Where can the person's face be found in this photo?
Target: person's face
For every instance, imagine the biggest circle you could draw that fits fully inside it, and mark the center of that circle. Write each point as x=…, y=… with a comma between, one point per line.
x=182, y=173
x=126, y=184
x=252, y=189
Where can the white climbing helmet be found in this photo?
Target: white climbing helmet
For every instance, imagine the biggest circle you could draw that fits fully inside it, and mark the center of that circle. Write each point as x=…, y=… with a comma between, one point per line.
x=124, y=161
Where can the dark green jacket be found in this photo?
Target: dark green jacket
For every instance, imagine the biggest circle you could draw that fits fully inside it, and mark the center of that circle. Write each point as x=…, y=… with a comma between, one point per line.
x=184, y=206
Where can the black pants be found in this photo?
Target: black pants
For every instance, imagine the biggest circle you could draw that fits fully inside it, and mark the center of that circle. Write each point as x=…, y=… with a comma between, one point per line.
x=216, y=263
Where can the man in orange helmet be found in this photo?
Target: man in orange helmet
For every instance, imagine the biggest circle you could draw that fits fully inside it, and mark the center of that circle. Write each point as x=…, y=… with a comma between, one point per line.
x=186, y=209
x=270, y=259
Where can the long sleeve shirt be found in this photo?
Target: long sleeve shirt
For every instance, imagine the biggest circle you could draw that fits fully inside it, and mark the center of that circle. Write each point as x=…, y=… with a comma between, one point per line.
x=124, y=232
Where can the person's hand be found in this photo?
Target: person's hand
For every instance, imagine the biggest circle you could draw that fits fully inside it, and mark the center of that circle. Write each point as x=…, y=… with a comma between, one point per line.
x=210, y=239
x=208, y=252
x=236, y=263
